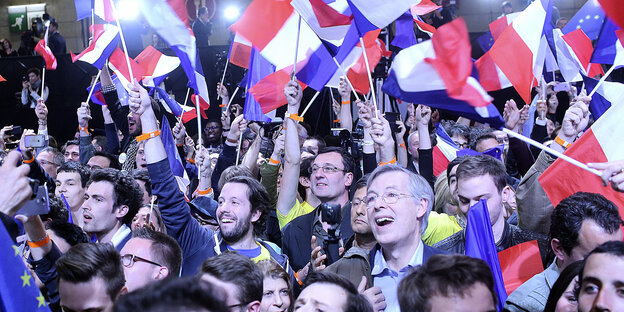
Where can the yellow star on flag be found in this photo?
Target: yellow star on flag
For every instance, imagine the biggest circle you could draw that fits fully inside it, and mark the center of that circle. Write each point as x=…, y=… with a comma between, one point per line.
x=25, y=279
x=17, y=251
x=41, y=300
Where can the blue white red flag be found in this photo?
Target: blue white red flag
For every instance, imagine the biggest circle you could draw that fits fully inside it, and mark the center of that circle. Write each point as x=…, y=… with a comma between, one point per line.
x=240, y=51
x=105, y=41
x=480, y=244
x=376, y=14
x=101, y=8
x=170, y=105
x=440, y=73
x=259, y=68
x=175, y=162
x=444, y=151
x=404, y=31
x=608, y=94
x=156, y=65
x=119, y=64
x=330, y=21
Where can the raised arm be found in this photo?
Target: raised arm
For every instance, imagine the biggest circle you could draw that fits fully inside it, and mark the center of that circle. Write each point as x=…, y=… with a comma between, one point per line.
x=346, y=118
x=381, y=134
x=292, y=153
x=86, y=148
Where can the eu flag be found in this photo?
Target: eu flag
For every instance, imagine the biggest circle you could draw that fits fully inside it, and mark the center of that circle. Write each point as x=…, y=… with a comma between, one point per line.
x=589, y=18
x=480, y=244
x=18, y=290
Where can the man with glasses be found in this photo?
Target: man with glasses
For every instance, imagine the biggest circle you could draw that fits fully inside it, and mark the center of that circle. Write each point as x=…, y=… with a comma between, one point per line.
x=331, y=176
x=150, y=256
x=398, y=205
x=241, y=279
x=50, y=159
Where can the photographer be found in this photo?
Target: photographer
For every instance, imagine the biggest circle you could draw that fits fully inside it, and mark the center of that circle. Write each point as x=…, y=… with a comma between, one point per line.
x=31, y=88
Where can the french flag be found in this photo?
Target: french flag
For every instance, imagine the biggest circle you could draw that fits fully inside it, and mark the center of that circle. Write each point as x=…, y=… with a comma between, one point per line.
x=330, y=21
x=170, y=105
x=373, y=14
x=169, y=19
x=42, y=49
x=613, y=9
x=98, y=98
x=117, y=62
x=156, y=65
x=499, y=25
x=240, y=51
x=608, y=94
x=259, y=68
x=404, y=36
x=598, y=144
x=581, y=48
x=355, y=66
x=444, y=152
x=609, y=46
x=574, y=51
x=200, y=88
x=491, y=76
x=424, y=27
x=269, y=92
x=439, y=73
x=105, y=41
x=522, y=39
x=175, y=162
x=101, y=8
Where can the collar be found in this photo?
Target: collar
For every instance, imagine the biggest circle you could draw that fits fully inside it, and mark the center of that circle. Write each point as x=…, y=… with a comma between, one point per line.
x=381, y=265
x=119, y=236
x=551, y=274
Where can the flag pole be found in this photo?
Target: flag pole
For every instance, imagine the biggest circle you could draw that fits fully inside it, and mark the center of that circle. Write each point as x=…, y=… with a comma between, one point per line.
x=240, y=140
x=346, y=78
x=123, y=40
x=199, y=128
x=188, y=90
x=223, y=77
x=552, y=151
x=93, y=85
x=232, y=98
x=309, y=104
x=294, y=72
x=370, y=78
x=45, y=38
x=602, y=80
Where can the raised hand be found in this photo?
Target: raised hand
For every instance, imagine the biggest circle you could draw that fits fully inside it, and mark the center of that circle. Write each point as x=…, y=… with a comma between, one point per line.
x=179, y=132
x=84, y=114
x=138, y=98
x=293, y=95
x=365, y=112
x=344, y=89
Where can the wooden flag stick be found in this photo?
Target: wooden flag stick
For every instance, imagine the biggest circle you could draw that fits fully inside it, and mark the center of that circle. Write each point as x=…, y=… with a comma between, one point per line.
x=552, y=151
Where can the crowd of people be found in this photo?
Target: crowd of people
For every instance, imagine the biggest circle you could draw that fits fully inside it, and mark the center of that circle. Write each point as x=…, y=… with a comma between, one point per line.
x=303, y=226
x=257, y=217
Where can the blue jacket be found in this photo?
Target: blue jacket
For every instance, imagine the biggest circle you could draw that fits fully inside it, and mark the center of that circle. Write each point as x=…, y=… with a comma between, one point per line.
x=197, y=243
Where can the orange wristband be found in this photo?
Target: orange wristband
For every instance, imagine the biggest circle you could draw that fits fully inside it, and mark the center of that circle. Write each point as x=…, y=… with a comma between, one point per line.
x=402, y=145
x=85, y=129
x=391, y=162
x=346, y=102
x=337, y=120
x=146, y=136
x=28, y=161
x=221, y=105
x=295, y=117
x=562, y=142
x=273, y=161
x=191, y=160
x=297, y=278
x=39, y=243
x=180, y=145
x=206, y=192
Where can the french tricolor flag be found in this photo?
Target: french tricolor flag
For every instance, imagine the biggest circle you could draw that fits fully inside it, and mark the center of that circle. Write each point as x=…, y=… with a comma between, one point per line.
x=330, y=21
x=574, y=51
x=598, y=144
x=499, y=25
x=608, y=94
x=444, y=152
x=491, y=76
x=156, y=65
x=424, y=7
x=117, y=62
x=522, y=40
x=101, y=8
x=373, y=14
x=439, y=73
x=580, y=47
x=105, y=41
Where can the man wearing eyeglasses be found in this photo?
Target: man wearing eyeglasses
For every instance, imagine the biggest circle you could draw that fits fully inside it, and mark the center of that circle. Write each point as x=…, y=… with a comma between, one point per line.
x=50, y=159
x=150, y=256
x=398, y=204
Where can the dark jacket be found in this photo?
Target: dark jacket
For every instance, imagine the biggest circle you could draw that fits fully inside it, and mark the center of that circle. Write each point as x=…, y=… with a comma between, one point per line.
x=353, y=265
x=56, y=42
x=512, y=235
x=297, y=235
x=197, y=243
x=45, y=269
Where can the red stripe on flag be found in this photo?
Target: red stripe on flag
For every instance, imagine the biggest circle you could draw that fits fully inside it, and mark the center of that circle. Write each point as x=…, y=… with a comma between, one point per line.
x=498, y=26
x=595, y=69
x=424, y=7
x=46, y=53
x=258, y=13
x=425, y=27
x=440, y=162
x=188, y=116
x=269, y=92
x=562, y=179
x=179, y=7
x=519, y=68
x=2, y=79
x=240, y=54
x=118, y=59
x=613, y=8
x=203, y=105
x=148, y=58
x=488, y=75
x=581, y=45
x=519, y=263
x=375, y=49
x=327, y=16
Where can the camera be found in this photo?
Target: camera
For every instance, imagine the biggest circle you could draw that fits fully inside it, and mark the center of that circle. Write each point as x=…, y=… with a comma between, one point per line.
x=24, y=78
x=39, y=202
x=330, y=213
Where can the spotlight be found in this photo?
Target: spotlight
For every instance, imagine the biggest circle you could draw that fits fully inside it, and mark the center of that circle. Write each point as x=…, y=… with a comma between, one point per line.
x=127, y=9
x=231, y=13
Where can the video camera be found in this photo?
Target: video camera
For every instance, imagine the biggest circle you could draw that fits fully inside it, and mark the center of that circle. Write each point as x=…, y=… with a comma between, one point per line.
x=330, y=213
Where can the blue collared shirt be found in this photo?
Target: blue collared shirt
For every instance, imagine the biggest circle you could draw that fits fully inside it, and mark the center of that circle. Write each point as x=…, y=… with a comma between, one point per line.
x=388, y=279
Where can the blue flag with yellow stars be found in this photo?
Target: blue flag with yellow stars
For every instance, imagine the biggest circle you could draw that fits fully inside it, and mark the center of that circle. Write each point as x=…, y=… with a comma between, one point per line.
x=18, y=290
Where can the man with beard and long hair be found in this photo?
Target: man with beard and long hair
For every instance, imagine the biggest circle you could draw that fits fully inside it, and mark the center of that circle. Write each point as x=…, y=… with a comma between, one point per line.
x=243, y=204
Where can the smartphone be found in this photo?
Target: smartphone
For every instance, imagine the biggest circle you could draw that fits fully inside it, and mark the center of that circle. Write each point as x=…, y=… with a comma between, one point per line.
x=392, y=118
x=562, y=86
x=35, y=141
x=39, y=203
x=16, y=131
